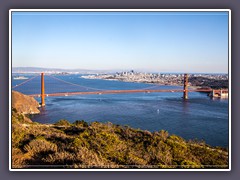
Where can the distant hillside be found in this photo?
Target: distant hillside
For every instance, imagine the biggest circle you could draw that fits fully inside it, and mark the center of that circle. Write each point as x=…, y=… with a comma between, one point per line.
x=54, y=70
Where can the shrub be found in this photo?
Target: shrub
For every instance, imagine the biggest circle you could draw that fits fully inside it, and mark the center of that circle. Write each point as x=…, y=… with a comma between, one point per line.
x=133, y=159
x=80, y=142
x=18, y=135
x=81, y=123
x=40, y=145
x=17, y=158
x=63, y=122
x=189, y=164
x=61, y=158
x=90, y=159
x=163, y=134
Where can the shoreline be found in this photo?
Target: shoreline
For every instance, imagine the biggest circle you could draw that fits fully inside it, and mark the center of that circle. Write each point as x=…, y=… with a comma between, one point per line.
x=194, y=80
x=85, y=77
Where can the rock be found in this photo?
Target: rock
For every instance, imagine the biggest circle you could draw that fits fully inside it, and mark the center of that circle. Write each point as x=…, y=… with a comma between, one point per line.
x=24, y=104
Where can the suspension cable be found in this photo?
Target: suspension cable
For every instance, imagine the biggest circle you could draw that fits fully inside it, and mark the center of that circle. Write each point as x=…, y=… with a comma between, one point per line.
x=190, y=87
x=75, y=84
x=151, y=87
x=25, y=81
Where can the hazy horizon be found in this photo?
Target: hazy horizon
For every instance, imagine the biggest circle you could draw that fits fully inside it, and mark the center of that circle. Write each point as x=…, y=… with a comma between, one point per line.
x=121, y=70
x=142, y=41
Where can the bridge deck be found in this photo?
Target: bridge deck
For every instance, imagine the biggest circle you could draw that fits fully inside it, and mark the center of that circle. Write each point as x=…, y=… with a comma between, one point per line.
x=121, y=92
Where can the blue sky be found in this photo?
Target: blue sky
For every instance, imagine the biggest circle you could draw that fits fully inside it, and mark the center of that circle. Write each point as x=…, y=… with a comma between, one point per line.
x=147, y=41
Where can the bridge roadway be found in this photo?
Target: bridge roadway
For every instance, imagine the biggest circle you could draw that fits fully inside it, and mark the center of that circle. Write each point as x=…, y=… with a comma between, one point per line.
x=122, y=91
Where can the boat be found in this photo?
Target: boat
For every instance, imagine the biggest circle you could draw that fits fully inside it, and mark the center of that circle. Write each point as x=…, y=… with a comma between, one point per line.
x=20, y=77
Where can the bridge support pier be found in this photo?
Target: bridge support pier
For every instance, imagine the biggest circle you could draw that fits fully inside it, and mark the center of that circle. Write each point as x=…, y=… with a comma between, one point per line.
x=185, y=86
x=42, y=90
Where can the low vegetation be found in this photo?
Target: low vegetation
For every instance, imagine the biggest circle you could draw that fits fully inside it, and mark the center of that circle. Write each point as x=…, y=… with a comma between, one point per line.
x=105, y=145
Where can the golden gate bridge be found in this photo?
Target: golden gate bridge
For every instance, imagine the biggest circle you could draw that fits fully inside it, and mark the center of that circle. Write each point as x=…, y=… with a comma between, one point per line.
x=90, y=90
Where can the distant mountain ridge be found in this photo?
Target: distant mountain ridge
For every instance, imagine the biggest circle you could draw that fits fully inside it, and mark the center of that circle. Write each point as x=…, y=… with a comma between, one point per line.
x=91, y=71
x=53, y=70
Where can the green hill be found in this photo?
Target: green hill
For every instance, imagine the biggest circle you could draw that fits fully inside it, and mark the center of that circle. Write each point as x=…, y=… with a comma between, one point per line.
x=105, y=145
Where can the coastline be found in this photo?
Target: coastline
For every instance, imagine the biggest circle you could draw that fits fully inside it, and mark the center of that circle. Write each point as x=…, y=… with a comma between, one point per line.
x=123, y=80
x=195, y=80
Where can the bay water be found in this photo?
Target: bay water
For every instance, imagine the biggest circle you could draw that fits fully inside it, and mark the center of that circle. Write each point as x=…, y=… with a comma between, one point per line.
x=199, y=117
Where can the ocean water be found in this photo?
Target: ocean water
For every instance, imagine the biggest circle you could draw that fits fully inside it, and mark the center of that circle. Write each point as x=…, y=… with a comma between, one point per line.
x=199, y=117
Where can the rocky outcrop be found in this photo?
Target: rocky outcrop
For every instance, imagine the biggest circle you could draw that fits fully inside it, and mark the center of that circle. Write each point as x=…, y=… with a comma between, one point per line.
x=24, y=104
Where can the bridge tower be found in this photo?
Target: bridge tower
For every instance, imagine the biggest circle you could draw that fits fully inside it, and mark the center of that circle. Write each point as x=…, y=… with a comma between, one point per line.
x=185, y=86
x=42, y=90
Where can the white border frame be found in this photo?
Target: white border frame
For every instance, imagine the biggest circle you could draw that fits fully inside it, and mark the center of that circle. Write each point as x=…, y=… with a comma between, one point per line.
x=119, y=10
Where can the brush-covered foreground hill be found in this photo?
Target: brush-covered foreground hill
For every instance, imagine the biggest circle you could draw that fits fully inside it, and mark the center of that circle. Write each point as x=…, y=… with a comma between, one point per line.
x=105, y=145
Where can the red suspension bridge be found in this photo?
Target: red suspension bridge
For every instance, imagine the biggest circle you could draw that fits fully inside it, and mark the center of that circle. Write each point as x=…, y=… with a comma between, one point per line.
x=89, y=90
